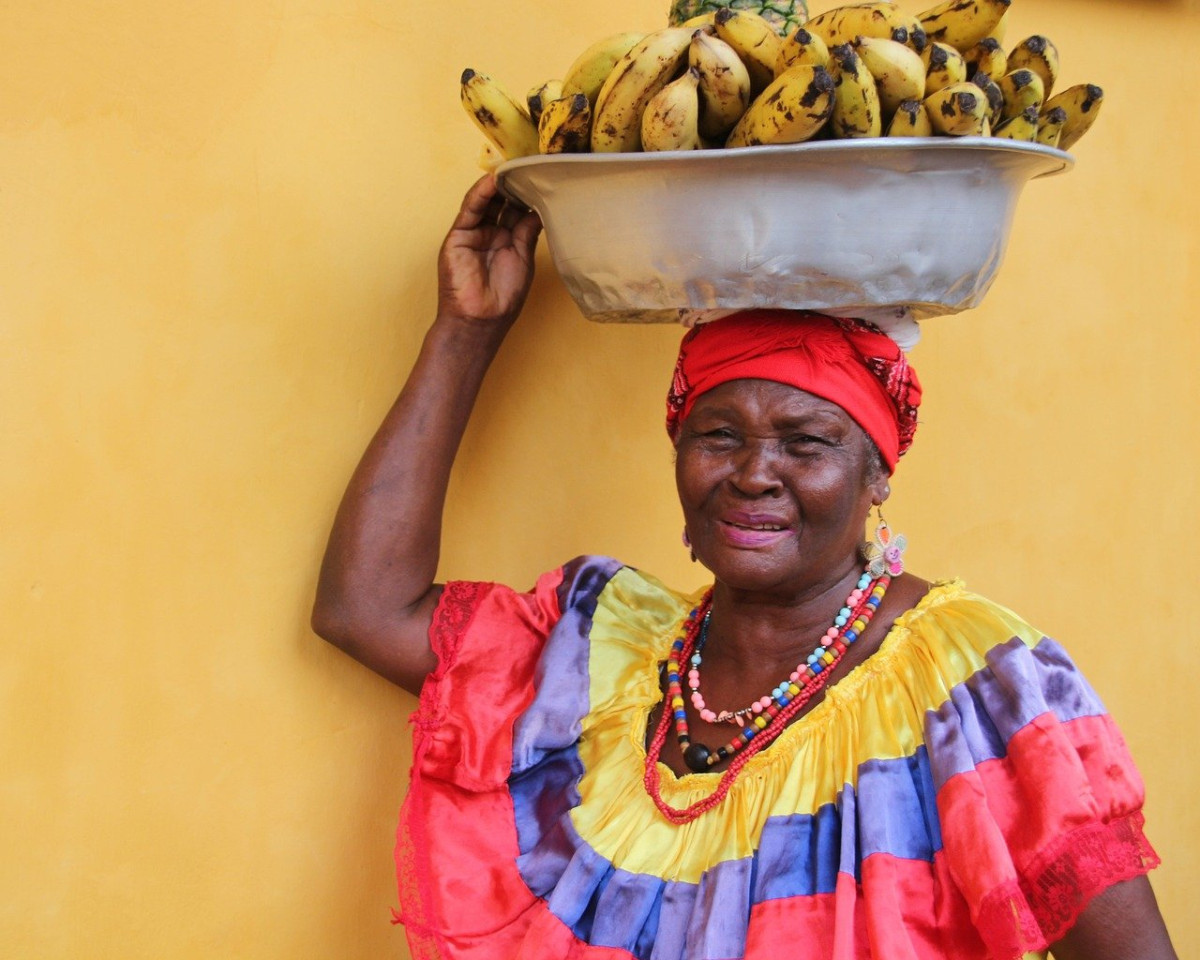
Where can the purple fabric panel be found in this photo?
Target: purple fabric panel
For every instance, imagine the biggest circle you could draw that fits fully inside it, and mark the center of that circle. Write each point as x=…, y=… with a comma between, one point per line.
x=1018, y=684
x=554, y=718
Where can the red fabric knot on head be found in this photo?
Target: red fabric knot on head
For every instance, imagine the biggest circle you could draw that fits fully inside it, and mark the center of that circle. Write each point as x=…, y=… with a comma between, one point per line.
x=845, y=361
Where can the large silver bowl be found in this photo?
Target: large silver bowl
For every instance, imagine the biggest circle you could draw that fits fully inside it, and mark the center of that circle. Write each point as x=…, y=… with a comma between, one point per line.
x=831, y=226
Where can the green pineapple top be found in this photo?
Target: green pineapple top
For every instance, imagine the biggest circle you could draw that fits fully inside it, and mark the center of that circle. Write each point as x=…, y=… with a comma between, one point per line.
x=787, y=15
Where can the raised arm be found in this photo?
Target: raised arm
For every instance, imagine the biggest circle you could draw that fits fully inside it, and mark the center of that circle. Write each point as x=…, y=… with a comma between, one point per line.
x=376, y=595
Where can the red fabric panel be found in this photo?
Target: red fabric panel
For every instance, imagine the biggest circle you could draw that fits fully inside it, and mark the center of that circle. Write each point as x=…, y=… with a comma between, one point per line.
x=1031, y=837
x=911, y=908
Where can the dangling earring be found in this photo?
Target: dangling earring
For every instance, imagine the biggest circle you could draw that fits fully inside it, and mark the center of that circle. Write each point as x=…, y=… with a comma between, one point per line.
x=886, y=553
x=687, y=542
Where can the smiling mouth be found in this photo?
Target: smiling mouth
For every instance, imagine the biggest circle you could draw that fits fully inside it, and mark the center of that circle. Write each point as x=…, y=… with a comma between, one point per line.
x=757, y=526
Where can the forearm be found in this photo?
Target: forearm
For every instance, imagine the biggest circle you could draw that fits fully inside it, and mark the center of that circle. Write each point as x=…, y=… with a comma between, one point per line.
x=383, y=550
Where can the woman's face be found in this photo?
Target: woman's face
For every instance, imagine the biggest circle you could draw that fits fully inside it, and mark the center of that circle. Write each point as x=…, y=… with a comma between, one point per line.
x=775, y=485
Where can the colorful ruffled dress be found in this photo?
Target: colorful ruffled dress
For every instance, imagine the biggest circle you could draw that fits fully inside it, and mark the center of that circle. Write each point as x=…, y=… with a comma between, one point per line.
x=961, y=794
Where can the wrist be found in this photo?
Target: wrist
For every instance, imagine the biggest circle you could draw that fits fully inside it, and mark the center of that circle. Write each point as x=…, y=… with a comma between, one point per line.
x=466, y=336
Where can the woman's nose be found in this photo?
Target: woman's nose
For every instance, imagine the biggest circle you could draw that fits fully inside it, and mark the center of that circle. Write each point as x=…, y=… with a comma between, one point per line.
x=755, y=472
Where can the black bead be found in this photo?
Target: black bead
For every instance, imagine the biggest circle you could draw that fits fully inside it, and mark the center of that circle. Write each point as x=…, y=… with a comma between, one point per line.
x=696, y=757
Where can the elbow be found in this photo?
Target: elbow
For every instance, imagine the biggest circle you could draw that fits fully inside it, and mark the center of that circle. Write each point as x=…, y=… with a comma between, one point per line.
x=330, y=621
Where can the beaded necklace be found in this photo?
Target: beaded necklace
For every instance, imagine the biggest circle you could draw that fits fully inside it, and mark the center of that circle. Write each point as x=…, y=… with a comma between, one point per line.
x=769, y=721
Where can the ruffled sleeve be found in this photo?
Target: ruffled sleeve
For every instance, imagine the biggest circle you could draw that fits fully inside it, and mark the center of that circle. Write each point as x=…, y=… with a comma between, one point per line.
x=1039, y=800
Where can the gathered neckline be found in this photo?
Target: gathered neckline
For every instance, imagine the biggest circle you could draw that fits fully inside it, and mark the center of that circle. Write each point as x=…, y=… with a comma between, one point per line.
x=836, y=695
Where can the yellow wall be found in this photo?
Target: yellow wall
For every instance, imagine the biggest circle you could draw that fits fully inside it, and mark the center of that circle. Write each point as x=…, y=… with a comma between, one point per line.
x=218, y=224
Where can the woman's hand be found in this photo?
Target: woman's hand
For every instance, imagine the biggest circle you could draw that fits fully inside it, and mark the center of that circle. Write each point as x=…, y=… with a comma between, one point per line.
x=486, y=262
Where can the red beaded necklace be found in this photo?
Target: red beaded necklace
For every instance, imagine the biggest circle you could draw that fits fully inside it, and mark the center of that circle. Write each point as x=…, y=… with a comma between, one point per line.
x=787, y=700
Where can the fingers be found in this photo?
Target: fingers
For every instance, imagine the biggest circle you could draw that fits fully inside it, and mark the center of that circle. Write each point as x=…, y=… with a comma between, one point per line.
x=484, y=206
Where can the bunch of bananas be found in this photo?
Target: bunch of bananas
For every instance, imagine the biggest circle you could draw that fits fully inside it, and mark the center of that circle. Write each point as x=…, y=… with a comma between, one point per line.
x=728, y=78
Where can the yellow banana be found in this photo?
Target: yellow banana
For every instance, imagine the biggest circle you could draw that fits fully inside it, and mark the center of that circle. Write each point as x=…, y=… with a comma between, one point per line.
x=960, y=110
x=944, y=67
x=1081, y=103
x=565, y=125
x=856, y=108
x=700, y=20
x=1022, y=89
x=962, y=23
x=672, y=117
x=500, y=117
x=1050, y=125
x=539, y=96
x=724, y=84
x=792, y=109
x=1038, y=54
x=644, y=70
x=910, y=120
x=1024, y=126
x=800, y=46
x=987, y=56
x=592, y=67
x=843, y=24
x=898, y=71
x=991, y=90
x=755, y=41
x=489, y=157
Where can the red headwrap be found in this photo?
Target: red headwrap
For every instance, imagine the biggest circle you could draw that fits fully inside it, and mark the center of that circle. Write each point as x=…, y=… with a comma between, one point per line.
x=847, y=362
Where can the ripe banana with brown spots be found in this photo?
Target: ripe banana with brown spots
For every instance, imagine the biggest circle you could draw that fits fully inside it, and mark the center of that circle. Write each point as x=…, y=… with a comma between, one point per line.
x=671, y=120
x=539, y=96
x=1038, y=54
x=1050, y=125
x=565, y=125
x=1081, y=103
x=723, y=84
x=843, y=24
x=987, y=56
x=499, y=116
x=960, y=110
x=944, y=67
x=801, y=46
x=792, y=109
x=857, y=111
x=898, y=71
x=755, y=41
x=962, y=23
x=1022, y=89
x=910, y=120
x=644, y=70
x=592, y=67
x=1024, y=126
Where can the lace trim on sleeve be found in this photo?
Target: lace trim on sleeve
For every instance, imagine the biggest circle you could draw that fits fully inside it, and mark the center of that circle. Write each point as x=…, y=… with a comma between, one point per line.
x=1035, y=911
x=451, y=619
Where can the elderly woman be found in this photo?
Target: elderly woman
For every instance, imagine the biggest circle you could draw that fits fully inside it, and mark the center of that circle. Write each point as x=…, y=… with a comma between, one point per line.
x=822, y=756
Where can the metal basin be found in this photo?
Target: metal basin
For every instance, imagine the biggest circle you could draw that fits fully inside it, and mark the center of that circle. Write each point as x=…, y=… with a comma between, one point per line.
x=830, y=226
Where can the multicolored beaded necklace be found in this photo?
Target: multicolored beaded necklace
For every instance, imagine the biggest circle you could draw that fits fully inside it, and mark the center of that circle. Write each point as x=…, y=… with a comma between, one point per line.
x=772, y=714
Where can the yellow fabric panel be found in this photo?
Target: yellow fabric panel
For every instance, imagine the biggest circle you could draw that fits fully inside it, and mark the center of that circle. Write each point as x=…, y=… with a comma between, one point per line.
x=876, y=712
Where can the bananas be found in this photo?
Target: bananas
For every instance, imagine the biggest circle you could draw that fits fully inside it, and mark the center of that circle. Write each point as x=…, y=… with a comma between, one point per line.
x=857, y=111
x=730, y=76
x=755, y=41
x=960, y=110
x=723, y=84
x=1038, y=54
x=648, y=67
x=962, y=23
x=898, y=71
x=843, y=24
x=672, y=117
x=800, y=46
x=565, y=125
x=793, y=108
x=592, y=67
x=910, y=120
x=1081, y=104
x=499, y=117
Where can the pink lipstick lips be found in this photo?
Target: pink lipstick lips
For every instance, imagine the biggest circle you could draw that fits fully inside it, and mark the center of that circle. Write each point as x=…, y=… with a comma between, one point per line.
x=749, y=530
